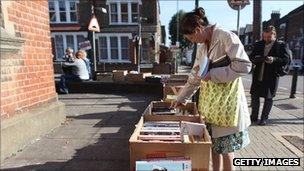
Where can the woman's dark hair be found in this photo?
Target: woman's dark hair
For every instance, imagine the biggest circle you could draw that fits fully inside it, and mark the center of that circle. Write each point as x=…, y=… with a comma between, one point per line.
x=191, y=20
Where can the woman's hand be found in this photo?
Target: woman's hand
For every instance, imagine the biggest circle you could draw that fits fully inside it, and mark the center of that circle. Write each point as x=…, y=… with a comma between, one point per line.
x=269, y=59
x=207, y=77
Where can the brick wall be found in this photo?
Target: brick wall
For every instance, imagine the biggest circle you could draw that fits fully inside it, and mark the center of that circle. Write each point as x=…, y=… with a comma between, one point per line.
x=295, y=25
x=27, y=78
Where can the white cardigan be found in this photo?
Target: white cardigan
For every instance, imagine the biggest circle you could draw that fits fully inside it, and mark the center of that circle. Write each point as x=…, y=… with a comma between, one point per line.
x=223, y=43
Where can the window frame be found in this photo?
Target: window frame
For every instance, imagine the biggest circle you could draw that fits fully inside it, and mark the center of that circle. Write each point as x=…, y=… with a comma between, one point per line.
x=109, y=59
x=119, y=13
x=64, y=37
x=67, y=11
x=75, y=10
x=116, y=13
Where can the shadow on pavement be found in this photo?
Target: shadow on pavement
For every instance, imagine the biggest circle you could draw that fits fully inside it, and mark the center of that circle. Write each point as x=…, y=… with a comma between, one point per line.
x=108, y=148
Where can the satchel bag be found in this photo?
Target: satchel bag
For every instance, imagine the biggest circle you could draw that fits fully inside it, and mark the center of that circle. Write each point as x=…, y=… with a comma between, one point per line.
x=219, y=102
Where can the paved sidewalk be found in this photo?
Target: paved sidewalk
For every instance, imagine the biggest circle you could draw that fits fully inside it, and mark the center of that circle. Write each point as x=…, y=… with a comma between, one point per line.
x=95, y=135
x=266, y=141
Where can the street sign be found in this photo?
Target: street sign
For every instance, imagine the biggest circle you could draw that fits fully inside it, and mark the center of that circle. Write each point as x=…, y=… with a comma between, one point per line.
x=237, y=4
x=94, y=26
x=86, y=45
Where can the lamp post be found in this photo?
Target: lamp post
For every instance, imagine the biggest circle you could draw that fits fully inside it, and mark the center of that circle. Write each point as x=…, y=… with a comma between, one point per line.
x=94, y=26
x=139, y=52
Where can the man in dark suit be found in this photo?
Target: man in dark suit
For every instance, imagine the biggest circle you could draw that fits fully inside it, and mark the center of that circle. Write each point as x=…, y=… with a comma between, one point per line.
x=268, y=56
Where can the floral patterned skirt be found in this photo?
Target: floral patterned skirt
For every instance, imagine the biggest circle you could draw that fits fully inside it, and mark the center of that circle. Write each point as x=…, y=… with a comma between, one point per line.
x=229, y=143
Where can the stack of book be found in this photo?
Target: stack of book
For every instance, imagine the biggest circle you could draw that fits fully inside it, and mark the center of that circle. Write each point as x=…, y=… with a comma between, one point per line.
x=169, y=111
x=173, y=131
x=163, y=111
x=160, y=131
x=164, y=164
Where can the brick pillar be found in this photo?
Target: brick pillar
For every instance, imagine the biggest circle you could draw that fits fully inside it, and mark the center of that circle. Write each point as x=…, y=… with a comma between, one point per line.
x=28, y=97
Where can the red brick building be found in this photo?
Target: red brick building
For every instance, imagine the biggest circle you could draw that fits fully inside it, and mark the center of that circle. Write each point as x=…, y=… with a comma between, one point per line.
x=115, y=44
x=290, y=28
x=28, y=98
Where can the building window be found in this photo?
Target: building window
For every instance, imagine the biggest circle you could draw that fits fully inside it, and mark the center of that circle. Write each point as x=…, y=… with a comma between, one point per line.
x=52, y=11
x=103, y=49
x=59, y=49
x=61, y=41
x=124, y=48
x=114, y=47
x=63, y=11
x=73, y=11
x=114, y=13
x=135, y=10
x=123, y=12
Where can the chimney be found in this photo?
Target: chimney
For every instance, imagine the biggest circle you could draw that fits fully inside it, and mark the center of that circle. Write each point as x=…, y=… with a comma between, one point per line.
x=275, y=15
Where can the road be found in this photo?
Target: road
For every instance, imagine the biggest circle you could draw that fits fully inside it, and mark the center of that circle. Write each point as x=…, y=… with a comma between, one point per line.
x=284, y=83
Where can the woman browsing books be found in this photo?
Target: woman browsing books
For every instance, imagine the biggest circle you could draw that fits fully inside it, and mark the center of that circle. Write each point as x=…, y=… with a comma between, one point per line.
x=220, y=62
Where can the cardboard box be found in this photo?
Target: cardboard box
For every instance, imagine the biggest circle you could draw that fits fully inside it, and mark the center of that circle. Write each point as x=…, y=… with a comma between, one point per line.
x=140, y=77
x=189, y=107
x=198, y=152
x=119, y=75
x=104, y=77
x=177, y=79
x=171, y=90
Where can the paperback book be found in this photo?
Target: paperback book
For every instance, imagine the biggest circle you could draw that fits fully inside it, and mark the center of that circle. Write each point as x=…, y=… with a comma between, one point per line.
x=164, y=164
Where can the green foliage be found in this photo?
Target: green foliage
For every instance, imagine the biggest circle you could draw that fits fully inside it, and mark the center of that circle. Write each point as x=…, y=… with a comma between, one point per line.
x=173, y=31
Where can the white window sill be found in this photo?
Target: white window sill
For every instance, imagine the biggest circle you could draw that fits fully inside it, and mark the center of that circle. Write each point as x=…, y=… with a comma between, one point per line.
x=146, y=65
x=123, y=23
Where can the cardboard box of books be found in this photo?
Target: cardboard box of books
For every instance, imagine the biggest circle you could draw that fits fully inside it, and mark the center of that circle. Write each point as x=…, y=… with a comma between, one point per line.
x=104, y=77
x=137, y=77
x=119, y=75
x=163, y=139
x=159, y=108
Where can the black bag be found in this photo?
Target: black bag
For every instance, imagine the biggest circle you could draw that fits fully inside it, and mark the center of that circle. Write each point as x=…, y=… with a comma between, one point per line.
x=221, y=62
x=284, y=69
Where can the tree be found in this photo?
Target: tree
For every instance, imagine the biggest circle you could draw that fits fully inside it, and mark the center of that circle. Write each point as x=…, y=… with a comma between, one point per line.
x=173, y=31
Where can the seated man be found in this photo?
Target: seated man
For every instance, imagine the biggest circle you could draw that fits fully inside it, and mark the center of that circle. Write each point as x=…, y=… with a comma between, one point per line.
x=79, y=72
x=69, y=55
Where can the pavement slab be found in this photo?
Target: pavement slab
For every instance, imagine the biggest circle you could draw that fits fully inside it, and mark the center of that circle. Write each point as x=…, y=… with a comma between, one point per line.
x=98, y=126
